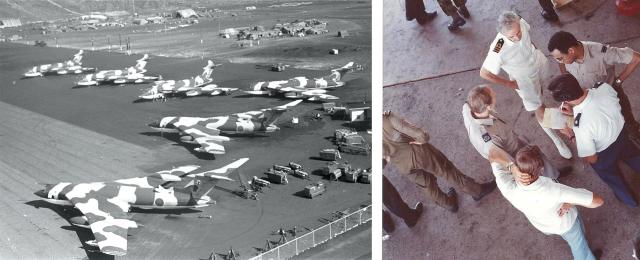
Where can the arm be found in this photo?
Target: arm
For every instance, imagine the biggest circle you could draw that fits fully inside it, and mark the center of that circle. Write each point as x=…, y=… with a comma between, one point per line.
x=597, y=201
x=419, y=136
x=497, y=155
x=493, y=78
x=591, y=158
x=635, y=61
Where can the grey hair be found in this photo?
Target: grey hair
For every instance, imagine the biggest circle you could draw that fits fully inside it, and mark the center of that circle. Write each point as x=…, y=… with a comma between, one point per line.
x=507, y=20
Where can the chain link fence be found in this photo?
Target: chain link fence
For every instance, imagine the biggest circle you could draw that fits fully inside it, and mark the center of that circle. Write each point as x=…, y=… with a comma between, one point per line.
x=317, y=236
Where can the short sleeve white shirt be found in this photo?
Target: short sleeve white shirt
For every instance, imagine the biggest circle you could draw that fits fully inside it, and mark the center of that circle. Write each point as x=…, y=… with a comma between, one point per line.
x=516, y=58
x=600, y=121
x=597, y=59
x=541, y=200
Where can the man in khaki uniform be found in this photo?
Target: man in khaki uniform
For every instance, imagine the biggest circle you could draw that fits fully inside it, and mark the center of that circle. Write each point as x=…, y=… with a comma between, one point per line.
x=487, y=131
x=405, y=145
x=592, y=62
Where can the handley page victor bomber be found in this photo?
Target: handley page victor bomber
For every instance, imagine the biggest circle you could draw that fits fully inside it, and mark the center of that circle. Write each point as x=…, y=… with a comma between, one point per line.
x=104, y=204
x=205, y=131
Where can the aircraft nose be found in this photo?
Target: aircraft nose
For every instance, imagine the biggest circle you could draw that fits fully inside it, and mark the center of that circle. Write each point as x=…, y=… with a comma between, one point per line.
x=154, y=124
x=41, y=193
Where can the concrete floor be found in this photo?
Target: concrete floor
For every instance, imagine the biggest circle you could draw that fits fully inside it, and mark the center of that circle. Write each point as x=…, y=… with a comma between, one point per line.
x=431, y=94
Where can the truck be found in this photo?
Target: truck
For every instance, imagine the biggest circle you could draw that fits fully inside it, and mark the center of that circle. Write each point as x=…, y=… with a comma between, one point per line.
x=365, y=177
x=275, y=176
x=284, y=169
x=314, y=189
x=350, y=142
x=300, y=174
x=352, y=175
x=330, y=154
x=295, y=166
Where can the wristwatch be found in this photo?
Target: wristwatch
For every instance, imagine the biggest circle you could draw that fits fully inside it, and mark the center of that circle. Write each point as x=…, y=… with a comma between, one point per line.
x=617, y=82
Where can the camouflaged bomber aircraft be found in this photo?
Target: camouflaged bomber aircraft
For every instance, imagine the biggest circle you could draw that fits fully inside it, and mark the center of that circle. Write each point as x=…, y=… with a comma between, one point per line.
x=104, y=204
x=303, y=87
x=133, y=74
x=61, y=68
x=198, y=86
x=205, y=131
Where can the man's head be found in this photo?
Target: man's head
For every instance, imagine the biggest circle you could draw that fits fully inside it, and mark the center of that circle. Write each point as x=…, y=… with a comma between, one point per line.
x=509, y=26
x=563, y=47
x=565, y=88
x=529, y=161
x=481, y=99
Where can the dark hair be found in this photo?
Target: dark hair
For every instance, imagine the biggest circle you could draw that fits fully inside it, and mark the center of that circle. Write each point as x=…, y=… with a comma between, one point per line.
x=565, y=87
x=562, y=41
x=529, y=160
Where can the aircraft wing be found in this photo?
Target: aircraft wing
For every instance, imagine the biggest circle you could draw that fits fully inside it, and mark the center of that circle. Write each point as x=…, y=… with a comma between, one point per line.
x=208, y=139
x=258, y=113
x=158, y=178
x=106, y=217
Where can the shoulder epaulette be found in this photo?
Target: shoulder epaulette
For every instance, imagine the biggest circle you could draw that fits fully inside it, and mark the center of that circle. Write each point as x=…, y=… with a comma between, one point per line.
x=486, y=137
x=604, y=48
x=598, y=84
x=498, y=46
x=576, y=122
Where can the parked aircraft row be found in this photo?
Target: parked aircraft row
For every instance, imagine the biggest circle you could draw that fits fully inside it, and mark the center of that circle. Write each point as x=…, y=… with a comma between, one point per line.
x=295, y=88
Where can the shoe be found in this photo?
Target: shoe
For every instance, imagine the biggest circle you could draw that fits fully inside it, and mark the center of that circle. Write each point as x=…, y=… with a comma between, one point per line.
x=415, y=216
x=455, y=24
x=426, y=17
x=597, y=253
x=564, y=150
x=464, y=12
x=487, y=188
x=553, y=17
x=453, y=195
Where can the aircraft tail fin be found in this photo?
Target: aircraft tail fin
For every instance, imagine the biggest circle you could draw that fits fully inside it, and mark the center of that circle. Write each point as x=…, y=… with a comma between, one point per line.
x=207, y=70
x=202, y=183
x=77, y=58
x=270, y=116
x=340, y=72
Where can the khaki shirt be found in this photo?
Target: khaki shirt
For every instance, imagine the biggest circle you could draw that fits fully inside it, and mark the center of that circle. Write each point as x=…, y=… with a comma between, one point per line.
x=491, y=131
x=396, y=135
x=598, y=59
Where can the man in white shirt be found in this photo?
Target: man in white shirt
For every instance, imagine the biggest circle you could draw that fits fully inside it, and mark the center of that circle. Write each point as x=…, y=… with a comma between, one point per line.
x=592, y=62
x=549, y=206
x=598, y=127
x=513, y=51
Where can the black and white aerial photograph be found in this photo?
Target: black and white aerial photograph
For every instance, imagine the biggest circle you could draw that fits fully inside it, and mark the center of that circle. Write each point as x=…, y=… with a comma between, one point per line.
x=177, y=129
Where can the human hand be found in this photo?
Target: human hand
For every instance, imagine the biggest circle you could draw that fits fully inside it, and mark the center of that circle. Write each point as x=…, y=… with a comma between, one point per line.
x=416, y=143
x=566, y=109
x=520, y=177
x=568, y=132
x=564, y=209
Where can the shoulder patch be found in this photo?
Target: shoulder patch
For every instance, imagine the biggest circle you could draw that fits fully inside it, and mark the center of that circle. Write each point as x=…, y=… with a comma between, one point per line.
x=498, y=46
x=604, y=48
x=598, y=84
x=576, y=121
x=486, y=137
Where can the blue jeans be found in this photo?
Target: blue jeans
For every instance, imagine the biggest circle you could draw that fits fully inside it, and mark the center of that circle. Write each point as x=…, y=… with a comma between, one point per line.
x=578, y=242
x=607, y=169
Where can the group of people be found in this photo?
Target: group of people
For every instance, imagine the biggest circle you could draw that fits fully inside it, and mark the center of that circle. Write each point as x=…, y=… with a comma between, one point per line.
x=457, y=9
x=600, y=124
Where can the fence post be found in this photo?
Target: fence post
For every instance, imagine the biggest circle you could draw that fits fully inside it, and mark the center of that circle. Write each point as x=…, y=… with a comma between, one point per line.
x=278, y=252
x=313, y=236
x=297, y=246
x=345, y=225
x=330, y=233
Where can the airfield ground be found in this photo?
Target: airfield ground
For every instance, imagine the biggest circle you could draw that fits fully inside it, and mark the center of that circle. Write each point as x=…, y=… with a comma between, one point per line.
x=53, y=132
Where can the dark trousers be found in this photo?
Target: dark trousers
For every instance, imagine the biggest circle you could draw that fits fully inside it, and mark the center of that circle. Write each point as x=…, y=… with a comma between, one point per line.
x=629, y=121
x=393, y=201
x=607, y=168
x=414, y=8
x=547, y=6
